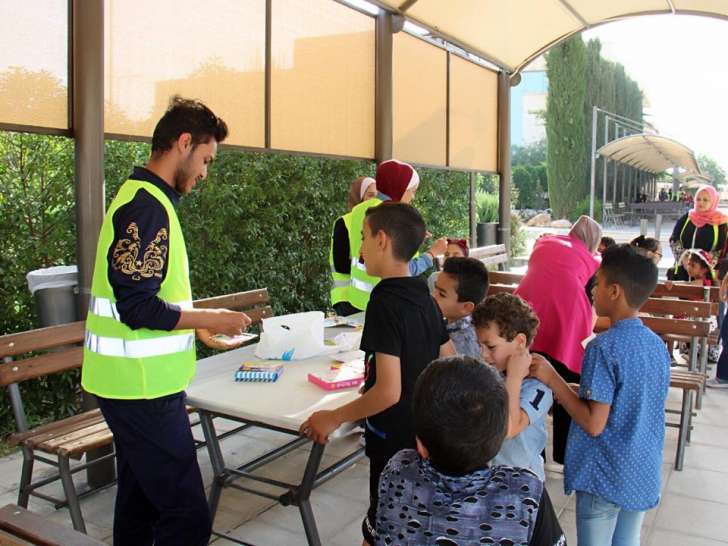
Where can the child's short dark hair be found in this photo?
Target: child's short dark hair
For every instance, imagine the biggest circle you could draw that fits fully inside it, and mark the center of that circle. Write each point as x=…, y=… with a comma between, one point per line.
x=472, y=277
x=402, y=223
x=606, y=242
x=511, y=314
x=461, y=413
x=626, y=266
x=187, y=116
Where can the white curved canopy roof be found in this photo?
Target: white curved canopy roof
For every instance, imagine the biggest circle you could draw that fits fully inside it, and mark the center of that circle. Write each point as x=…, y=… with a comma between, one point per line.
x=651, y=153
x=510, y=33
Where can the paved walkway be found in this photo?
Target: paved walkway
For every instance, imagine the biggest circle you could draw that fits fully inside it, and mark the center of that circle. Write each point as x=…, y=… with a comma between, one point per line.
x=693, y=510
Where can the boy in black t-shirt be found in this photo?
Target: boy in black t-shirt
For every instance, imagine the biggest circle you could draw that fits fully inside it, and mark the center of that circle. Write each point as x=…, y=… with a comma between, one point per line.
x=403, y=332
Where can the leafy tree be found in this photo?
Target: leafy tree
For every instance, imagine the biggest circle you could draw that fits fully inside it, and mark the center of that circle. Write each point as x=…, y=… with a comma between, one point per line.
x=710, y=166
x=531, y=154
x=565, y=121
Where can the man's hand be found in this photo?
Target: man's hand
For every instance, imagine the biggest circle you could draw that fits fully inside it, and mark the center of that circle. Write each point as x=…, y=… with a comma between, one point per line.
x=216, y=342
x=438, y=247
x=518, y=364
x=541, y=369
x=230, y=323
x=669, y=285
x=320, y=425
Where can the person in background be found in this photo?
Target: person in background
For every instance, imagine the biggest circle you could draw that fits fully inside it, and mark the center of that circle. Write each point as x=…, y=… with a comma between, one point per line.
x=362, y=189
x=459, y=287
x=396, y=181
x=555, y=285
x=605, y=243
x=649, y=246
x=449, y=492
x=703, y=227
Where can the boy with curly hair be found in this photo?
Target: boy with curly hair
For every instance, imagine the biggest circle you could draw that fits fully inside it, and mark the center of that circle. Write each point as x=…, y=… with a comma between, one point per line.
x=506, y=325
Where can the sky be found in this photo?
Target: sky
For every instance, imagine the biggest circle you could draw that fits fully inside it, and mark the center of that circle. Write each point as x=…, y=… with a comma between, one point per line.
x=679, y=63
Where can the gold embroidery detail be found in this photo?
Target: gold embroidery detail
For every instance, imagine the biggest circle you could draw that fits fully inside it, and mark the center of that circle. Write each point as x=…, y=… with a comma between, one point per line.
x=126, y=255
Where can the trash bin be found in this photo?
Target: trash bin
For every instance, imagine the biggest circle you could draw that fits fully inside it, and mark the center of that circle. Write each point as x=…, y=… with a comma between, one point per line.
x=54, y=291
x=487, y=233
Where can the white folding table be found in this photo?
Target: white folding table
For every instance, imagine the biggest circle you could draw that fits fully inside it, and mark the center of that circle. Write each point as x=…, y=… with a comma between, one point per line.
x=281, y=406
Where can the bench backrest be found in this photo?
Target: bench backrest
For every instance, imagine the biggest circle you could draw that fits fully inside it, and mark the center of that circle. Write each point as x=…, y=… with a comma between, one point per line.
x=489, y=255
x=64, y=340
x=688, y=291
x=691, y=309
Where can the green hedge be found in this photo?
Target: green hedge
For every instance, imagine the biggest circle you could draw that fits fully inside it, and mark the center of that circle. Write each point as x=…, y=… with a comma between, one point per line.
x=259, y=220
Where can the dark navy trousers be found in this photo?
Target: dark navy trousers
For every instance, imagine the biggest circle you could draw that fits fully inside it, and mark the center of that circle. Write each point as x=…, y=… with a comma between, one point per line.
x=160, y=498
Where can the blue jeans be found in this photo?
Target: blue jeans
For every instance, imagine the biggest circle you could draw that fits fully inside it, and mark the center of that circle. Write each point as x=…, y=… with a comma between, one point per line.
x=601, y=523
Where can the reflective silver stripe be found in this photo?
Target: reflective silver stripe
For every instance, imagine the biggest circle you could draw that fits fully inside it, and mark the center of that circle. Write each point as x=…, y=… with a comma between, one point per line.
x=361, y=285
x=138, y=348
x=341, y=284
x=104, y=307
x=355, y=263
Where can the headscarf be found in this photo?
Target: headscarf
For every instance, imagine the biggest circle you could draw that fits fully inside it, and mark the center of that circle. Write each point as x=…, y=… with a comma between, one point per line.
x=711, y=216
x=394, y=178
x=358, y=189
x=587, y=231
x=462, y=243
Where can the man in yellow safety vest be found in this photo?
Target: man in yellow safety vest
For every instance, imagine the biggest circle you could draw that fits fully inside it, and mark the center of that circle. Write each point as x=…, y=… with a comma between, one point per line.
x=139, y=351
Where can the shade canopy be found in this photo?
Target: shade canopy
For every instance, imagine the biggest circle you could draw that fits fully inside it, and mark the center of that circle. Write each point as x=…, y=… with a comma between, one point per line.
x=651, y=153
x=512, y=33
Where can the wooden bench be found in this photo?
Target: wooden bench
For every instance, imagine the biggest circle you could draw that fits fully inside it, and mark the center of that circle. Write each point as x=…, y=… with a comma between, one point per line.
x=57, y=349
x=19, y=527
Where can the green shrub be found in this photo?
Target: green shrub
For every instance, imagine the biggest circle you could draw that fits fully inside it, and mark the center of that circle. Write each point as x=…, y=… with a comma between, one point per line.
x=487, y=207
x=582, y=208
x=259, y=220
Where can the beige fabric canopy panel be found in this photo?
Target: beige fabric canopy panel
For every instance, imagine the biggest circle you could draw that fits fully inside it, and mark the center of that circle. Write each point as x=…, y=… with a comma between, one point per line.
x=512, y=33
x=651, y=153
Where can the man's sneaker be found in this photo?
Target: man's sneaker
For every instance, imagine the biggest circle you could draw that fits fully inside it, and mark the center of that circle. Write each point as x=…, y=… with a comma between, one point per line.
x=716, y=383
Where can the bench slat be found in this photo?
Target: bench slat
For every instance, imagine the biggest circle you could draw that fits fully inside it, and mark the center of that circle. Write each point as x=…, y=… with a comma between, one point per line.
x=41, y=339
x=39, y=530
x=51, y=444
x=50, y=363
x=87, y=443
x=6, y=539
x=237, y=301
x=485, y=251
x=64, y=425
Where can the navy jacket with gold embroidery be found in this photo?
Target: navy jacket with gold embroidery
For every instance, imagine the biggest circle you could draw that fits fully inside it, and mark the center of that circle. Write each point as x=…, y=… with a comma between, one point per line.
x=143, y=223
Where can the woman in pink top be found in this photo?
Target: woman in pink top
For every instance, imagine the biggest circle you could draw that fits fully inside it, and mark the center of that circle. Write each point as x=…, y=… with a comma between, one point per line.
x=559, y=271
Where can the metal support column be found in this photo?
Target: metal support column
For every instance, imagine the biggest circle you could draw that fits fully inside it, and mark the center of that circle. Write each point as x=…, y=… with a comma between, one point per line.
x=87, y=28
x=473, y=212
x=383, y=102
x=504, y=160
x=593, y=170
x=605, y=162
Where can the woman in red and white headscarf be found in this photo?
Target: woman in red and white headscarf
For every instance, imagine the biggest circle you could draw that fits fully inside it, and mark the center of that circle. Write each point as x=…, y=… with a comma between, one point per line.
x=395, y=181
x=703, y=227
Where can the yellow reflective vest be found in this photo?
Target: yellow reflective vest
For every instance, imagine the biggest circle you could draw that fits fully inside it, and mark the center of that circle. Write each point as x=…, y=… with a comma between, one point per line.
x=122, y=363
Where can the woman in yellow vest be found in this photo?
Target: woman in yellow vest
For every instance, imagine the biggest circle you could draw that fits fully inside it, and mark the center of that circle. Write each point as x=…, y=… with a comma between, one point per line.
x=396, y=181
x=139, y=351
x=362, y=189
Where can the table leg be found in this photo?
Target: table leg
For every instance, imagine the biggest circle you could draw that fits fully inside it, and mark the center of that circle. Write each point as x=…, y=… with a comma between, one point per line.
x=216, y=459
x=303, y=493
